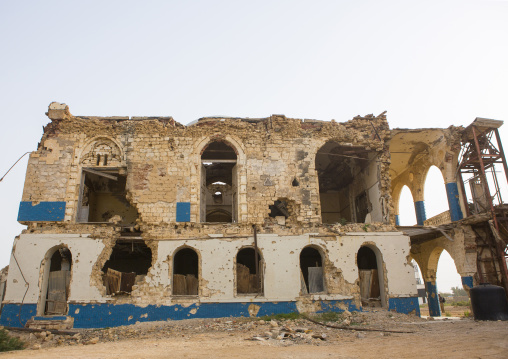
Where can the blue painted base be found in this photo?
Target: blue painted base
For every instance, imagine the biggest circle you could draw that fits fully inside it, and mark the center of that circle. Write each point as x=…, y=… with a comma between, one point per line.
x=421, y=216
x=397, y=220
x=452, y=192
x=13, y=316
x=433, y=298
x=467, y=281
x=407, y=305
x=113, y=315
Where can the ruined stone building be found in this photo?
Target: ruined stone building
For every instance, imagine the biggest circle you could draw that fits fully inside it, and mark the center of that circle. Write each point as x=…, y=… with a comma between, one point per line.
x=142, y=218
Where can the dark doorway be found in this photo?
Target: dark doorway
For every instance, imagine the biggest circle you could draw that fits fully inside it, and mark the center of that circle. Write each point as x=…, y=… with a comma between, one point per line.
x=186, y=272
x=311, y=267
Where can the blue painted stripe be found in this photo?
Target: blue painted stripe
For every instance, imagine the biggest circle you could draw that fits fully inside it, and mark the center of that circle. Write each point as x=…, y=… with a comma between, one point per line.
x=433, y=298
x=467, y=281
x=183, y=211
x=42, y=212
x=406, y=305
x=397, y=220
x=112, y=315
x=452, y=192
x=10, y=316
x=421, y=216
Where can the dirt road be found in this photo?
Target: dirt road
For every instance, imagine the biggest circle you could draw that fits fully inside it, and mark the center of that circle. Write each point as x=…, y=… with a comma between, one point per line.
x=246, y=338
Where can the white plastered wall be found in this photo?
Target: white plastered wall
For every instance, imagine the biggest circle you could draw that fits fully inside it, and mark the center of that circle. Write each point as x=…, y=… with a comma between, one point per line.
x=30, y=250
x=281, y=256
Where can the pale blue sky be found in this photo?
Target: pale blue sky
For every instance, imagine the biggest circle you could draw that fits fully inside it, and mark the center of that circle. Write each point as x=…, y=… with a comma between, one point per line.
x=428, y=63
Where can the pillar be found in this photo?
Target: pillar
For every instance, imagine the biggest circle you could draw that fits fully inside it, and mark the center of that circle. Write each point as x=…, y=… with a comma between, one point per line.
x=452, y=192
x=433, y=298
x=420, y=212
x=397, y=220
x=467, y=282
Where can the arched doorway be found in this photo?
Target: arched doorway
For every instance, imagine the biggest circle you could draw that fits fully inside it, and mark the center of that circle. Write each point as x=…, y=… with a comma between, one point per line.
x=56, y=280
x=219, y=189
x=371, y=276
x=186, y=272
x=249, y=272
x=311, y=271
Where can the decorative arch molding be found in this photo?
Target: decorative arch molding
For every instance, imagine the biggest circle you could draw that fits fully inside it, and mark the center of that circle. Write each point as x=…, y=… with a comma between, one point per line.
x=231, y=141
x=108, y=149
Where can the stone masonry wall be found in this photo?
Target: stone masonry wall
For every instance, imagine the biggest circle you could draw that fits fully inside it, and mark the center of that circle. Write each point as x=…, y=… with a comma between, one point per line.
x=162, y=161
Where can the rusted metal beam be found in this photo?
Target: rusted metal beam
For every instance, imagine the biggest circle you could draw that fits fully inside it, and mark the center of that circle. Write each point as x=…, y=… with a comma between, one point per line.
x=501, y=152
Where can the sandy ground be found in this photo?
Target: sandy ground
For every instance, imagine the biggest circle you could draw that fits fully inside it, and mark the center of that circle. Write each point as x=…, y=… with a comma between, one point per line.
x=233, y=338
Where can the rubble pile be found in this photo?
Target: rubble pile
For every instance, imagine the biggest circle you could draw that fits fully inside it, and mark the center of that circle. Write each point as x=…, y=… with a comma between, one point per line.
x=266, y=330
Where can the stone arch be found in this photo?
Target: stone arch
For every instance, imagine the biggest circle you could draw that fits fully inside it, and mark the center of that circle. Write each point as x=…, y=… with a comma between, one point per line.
x=312, y=272
x=367, y=281
x=56, y=273
x=231, y=141
x=102, y=151
x=186, y=270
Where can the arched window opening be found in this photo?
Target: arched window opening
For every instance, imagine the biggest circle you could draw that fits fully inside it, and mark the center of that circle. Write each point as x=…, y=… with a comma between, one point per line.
x=370, y=277
x=343, y=183
x=449, y=281
x=249, y=276
x=186, y=272
x=58, y=282
x=311, y=271
x=436, y=200
x=420, y=284
x=407, y=215
x=218, y=183
x=102, y=191
x=128, y=265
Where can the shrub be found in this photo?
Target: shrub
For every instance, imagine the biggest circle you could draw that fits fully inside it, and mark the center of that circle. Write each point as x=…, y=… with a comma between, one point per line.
x=328, y=317
x=281, y=316
x=9, y=343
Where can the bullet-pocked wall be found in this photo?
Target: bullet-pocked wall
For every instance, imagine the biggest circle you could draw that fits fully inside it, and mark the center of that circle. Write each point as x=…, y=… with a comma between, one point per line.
x=192, y=205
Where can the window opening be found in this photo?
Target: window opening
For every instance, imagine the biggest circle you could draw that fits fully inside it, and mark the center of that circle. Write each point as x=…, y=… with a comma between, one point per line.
x=311, y=271
x=369, y=277
x=128, y=265
x=186, y=272
x=295, y=182
x=247, y=281
x=341, y=183
x=218, y=183
x=59, y=278
x=279, y=208
x=103, y=196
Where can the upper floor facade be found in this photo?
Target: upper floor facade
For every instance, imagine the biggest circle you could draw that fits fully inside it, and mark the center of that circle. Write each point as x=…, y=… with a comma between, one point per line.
x=153, y=173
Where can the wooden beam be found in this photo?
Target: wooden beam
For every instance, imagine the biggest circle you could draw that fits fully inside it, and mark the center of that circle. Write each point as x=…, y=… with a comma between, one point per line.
x=98, y=173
